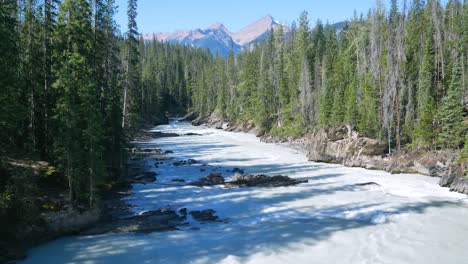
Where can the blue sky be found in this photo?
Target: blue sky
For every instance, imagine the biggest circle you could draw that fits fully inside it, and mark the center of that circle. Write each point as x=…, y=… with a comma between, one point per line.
x=169, y=15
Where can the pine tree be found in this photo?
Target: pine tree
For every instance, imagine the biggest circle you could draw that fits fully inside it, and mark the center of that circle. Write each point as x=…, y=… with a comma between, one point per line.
x=450, y=113
x=132, y=93
x=31, y=72
x=9, y=80
x=424, y=132
x=79, y=133
x=49, y=98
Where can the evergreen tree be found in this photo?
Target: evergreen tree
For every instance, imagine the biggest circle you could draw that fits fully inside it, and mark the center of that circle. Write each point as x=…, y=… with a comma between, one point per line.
x=132, y=93
x=424, y=132
x=9, y=80
x=450, y=113
x=79, y=132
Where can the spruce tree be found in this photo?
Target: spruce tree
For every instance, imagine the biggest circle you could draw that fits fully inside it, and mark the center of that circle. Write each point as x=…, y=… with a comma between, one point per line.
x=79, y=134
x=424, y=131
x=132, y=93
x=450, y=113
x=9, y=79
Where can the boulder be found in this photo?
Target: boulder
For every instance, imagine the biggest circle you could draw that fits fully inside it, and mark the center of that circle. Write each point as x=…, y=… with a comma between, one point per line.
x=178, y=180
x=185, y=162
x=213, y=179
x=153, y=151
x=460, y=185
x=261, y=180
x=454, y=172
x=204, y=216
x=341, y=145
x=159, y=134
x=192, y=134
x=367, y=184
x=183, y=211
x=146, y=177
x=237, y=170
x=168, y=152
x=151, y=221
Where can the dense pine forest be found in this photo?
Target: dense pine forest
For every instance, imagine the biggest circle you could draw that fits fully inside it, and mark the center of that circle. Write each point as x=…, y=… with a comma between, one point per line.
x=75, y=89
x=398, y=75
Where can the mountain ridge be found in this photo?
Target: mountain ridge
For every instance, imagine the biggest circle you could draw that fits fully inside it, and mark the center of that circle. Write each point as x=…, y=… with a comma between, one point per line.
x=218, y=38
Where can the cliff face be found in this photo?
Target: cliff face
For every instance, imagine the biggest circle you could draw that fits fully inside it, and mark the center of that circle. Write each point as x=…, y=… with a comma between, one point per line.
x=345, y=146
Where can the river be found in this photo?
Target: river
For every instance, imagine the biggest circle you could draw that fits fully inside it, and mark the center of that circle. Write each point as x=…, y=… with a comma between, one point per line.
x=331, y=219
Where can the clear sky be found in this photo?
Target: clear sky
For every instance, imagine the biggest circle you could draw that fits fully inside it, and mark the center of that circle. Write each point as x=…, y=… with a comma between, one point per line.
x=170, y=15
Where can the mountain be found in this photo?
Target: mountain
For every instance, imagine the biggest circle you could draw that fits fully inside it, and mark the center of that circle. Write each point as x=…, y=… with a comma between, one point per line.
x=256, y=31
x=217, y=38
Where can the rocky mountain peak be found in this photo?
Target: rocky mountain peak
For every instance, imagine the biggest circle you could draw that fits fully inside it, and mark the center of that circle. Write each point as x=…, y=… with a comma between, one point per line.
x=218, y=38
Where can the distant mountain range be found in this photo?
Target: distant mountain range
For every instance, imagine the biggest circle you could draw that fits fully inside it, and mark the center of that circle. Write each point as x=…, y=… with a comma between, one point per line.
x=218, y=39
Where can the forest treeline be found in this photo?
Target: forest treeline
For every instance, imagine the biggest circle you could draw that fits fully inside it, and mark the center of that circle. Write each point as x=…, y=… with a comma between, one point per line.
x=397, y=74
x=74, y=88
x=69, y=84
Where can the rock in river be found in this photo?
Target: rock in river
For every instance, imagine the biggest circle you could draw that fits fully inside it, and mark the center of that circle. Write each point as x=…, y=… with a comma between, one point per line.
x=210, y=180
x=185, y=162
x=204, y=216
x=146, y=177
x=260, y=180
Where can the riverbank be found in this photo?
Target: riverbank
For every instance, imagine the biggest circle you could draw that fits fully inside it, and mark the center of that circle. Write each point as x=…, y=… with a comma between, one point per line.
x=344, y=146
x=44, y=213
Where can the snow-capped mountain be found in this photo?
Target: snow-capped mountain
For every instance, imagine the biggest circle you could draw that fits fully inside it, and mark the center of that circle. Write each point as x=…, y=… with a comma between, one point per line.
x=218, y=38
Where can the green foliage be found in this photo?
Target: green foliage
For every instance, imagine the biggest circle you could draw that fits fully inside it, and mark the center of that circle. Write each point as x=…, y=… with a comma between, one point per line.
x=450, y=113
x=73, y=89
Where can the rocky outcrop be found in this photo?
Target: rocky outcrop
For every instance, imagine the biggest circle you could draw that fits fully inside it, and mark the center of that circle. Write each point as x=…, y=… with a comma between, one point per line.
x=345, y=146
x=218, y=121
x=260, y=180
x=454, y=180
x=189, y=117
x=178, y=180
x=215, y=120
x=147, y=222
x=341, y=145
x=185, y=162
x=49, y=226
x=146, y=177
x=204, y=215
x=212, y=179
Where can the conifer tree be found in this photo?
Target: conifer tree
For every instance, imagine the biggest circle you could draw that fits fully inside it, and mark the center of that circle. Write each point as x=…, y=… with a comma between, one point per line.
x=450, y=113
x=132, y=93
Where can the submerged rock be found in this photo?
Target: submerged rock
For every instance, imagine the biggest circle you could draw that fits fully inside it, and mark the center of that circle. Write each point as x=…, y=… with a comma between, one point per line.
x=185, y=162
x=178, y=180
x=192, y=134
x=204, y=216
x=367, y=184
x=213, y=179
x=147, y=222
x=237, y=170
x=147, y=177
x=261, y=180
x=183, y=211
x=158, y=134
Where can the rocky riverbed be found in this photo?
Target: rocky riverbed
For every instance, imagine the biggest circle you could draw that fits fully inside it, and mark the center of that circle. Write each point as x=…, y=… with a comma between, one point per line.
x=343, y=145
x=265, y=203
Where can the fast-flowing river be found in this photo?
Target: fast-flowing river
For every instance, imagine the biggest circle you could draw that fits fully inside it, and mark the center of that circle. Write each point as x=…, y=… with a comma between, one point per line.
x=330, y=219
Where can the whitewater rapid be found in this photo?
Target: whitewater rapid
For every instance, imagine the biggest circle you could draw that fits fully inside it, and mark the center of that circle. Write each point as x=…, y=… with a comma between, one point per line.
x=330, y=219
